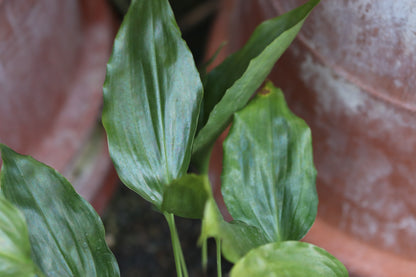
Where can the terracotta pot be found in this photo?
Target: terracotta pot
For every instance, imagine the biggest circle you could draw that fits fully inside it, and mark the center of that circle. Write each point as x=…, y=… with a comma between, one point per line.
x=52, y=67
x=351, y=75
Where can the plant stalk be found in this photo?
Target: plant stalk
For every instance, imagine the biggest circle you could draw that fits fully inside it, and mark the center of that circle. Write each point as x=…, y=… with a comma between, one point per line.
x=205, y=255
x=180, y=264
x=219, y=269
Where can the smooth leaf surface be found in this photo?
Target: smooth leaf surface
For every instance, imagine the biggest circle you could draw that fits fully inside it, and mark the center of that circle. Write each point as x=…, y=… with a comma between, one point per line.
x=152, y=96
x=268, y=178
x=289, y=259
x=237, y=237
x=15, y=257
x=229, y=86
x=66, y=234
x=186, y=197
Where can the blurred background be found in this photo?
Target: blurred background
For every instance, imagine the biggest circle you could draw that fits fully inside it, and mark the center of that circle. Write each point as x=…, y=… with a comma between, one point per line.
x=350, y=73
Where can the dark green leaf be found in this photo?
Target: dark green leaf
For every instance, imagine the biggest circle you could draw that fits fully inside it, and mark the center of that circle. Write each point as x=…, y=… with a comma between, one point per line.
x=15, y=257
x=152, y=97
x=66, y=234
x=268, y=178
x=229, y=86
x=186, y=197
x=289, y=259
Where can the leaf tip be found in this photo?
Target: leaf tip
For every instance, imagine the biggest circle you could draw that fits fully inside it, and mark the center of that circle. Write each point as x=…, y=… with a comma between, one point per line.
x=5, y=152
x=268, y=89
x=2, y=146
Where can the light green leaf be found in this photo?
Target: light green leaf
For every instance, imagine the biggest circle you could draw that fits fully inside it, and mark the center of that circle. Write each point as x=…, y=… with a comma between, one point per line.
x=152, y=96
x=229, y=86
x=15, y=257
x=66, y=234
x=237, y=237
x=289, y=259
x=186, y=197
x=268, y=178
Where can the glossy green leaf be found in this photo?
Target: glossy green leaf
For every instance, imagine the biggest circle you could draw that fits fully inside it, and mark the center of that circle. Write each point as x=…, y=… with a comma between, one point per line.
x=237, y=237
x=152, y=96
x=186, y=197
x=268, y=178
x=66, y=234
x=289, y=259
x=15, y=257
x=229, y=86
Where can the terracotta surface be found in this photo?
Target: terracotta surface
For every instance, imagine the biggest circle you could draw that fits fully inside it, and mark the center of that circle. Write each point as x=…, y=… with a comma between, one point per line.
x=351, y=74
x=52, y=67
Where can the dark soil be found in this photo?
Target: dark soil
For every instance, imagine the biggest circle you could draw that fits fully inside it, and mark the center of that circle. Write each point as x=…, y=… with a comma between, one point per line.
x=139, y=238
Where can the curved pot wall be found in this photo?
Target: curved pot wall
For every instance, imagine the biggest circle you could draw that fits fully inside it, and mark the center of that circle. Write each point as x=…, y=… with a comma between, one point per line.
x=351, y=75
x=52, y=67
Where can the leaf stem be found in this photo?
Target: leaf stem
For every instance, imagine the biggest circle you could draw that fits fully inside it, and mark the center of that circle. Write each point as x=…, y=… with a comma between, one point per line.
x=219, y=269
x=181, y=269
x=204, y=255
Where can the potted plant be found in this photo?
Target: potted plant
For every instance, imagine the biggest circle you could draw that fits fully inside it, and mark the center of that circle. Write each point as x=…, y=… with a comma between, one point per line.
x=157, y=120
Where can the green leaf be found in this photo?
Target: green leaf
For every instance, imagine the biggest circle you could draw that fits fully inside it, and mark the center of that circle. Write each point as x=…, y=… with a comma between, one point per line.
x=66, y=234
x=152, y=96
x=186, y=197
x=15, y=257
x=289, y=259
x=268, y=178
x=237, y=237
x=230, y=85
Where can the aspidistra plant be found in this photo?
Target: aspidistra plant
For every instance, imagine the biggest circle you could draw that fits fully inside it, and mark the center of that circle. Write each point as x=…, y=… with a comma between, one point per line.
x=160, y=117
